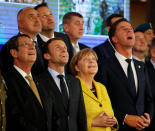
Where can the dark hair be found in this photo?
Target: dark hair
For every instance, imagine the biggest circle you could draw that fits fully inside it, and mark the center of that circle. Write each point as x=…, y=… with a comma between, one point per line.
x=44, y=4
x=113, y=28
x=67, y=17
x=109, y=19
x=45, y=46
x=12, y=43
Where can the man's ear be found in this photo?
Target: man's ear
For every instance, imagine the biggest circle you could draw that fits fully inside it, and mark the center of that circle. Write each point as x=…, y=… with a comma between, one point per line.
x=13, y=52
x=65, y=27
x=114, y=39
x=108, y=28
x=46, y=56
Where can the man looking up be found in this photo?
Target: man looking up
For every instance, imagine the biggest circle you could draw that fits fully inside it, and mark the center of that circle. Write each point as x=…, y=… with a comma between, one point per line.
x=28, y=106
x=106, y=49
x=68, y=105
x=139, y=47
x=48, y=26
x=126, y=81
x=73, y=27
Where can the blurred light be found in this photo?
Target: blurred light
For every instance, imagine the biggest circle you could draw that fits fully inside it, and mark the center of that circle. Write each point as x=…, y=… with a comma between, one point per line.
x=143, y=0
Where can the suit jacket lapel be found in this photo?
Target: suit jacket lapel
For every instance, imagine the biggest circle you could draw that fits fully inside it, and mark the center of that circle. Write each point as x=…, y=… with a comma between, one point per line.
x=55, y=89
x=89, y=93
x=139, y=71
x=25, y=86
x=121, y=74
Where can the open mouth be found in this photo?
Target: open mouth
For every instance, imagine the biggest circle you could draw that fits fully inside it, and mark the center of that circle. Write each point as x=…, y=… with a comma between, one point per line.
x=129, y=38
x=31, y=54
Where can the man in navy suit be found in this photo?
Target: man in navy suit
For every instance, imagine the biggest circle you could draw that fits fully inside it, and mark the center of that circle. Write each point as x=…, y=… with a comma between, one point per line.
x=127, y=83
x=68, y=112
x=73, y=27
x=151, y=72
x=106, y=49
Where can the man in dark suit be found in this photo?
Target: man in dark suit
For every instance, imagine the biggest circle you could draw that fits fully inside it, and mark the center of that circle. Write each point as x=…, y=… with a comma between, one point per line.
x=106, y=49
x=48, y=26
x=29, y=24
x=73, y=27
x=68, y=112
x=28, y=107
x=127, y=83
x=150, y=65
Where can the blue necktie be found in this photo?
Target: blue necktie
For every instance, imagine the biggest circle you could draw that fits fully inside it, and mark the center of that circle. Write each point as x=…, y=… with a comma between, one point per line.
x=63, y=90
x=130, y=75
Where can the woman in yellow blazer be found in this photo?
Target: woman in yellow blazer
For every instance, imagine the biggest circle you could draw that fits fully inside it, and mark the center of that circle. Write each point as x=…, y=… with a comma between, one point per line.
x=100, y=115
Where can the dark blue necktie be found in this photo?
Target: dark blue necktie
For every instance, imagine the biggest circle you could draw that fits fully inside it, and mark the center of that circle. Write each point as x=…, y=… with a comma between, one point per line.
x=39, y=54
x=130, y=75
x=63, y=90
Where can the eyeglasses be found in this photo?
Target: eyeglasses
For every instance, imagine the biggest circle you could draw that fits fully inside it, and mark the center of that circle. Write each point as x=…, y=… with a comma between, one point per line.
x=27, y=45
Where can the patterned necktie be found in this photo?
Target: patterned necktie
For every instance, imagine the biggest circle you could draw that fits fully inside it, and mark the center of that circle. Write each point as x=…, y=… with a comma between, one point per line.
x=39, y=53
x=34, y=88
x=63, y=90
x=130, y=75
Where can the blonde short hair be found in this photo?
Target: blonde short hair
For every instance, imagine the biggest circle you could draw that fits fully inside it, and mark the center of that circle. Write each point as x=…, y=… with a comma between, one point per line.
x=78, y=57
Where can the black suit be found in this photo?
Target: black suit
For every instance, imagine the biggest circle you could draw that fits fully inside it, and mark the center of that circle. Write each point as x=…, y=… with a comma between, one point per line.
x=151, y=74
x=104, y=51
x=67, y=42
x=124, y=99
x=82, y=46
x=7, y=61
x=23, y=111
x=72, y=118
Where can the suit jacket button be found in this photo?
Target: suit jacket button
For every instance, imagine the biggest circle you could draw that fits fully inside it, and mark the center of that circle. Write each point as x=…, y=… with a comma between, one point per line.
x=100, y=105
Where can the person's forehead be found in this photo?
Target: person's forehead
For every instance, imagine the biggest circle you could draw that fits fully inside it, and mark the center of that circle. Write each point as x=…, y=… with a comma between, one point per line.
x=123, y=24
x=139, y=34
x=30, y=11
x=76, y=18
x=149, y=30
x=57, y=42
x=24, y=39
x=113, y=20
x=43, y=9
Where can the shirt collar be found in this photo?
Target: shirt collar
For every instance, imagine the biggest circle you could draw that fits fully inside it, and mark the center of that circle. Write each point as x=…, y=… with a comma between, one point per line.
x=121, y=57
x=153, y=63
x=44, y=38
x=136, y=58
x=21, y=71
x=54, y=73
x=30, y=38
x=75, y=45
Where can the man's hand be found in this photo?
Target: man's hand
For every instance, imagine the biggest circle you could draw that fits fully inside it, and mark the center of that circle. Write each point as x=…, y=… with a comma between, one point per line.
x=138, y=122
x=145, y=123
x=132, y=120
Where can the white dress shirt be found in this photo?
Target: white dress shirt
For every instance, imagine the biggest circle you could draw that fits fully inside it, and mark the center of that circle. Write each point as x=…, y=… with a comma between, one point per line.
x=153, y=63
x=124, y=65
x=44, y=38
x=54, y=74
x=76, y=48
x=23, y=74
